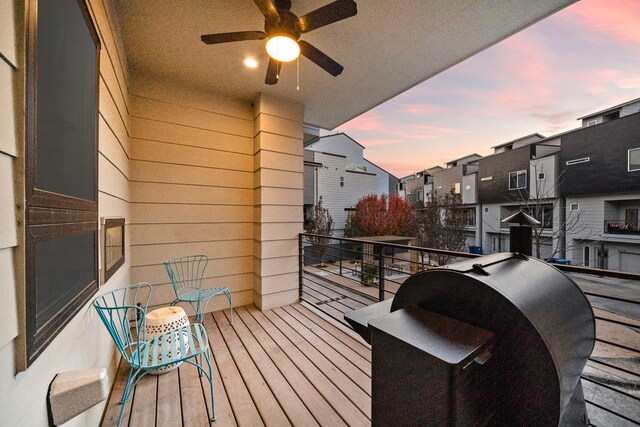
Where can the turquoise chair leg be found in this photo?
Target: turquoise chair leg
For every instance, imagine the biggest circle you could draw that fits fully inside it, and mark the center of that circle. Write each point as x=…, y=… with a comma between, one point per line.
x=125, y=393
x=213, y=405
x=230, y=305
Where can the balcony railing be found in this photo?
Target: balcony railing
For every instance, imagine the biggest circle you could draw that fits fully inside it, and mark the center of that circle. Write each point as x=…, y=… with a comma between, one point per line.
x=616, y=226
x=338, y=275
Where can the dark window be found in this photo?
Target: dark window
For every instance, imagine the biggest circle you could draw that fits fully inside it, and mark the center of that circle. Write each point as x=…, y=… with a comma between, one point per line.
x=61, y=167
x=517, y=180
x=541, y=176
x=634, y=160
x=470, y=217
x=342, y=181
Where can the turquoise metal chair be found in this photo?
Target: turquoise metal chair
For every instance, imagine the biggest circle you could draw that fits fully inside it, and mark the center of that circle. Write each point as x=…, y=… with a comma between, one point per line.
x=186, y=274
x=125, y=321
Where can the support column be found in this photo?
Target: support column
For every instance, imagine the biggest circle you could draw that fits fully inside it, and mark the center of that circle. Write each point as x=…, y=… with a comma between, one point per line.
x=277, y=200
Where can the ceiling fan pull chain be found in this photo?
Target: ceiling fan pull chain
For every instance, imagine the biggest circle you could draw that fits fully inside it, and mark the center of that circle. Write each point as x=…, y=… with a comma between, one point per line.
x=298, y=77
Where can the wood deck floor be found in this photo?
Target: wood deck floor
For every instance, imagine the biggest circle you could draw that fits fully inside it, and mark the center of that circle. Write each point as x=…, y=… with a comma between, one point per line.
x=287, y=366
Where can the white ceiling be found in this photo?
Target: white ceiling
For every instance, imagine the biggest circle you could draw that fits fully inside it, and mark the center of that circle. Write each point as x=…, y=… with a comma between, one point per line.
x=387, y=48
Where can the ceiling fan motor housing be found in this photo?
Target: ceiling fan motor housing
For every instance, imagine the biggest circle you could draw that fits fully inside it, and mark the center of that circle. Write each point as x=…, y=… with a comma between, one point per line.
x=285, y=27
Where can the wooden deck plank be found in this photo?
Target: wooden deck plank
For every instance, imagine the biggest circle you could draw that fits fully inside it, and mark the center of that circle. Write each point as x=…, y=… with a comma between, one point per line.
x=112, y=410
x=350, y=412
x=322, y=411
x=194, y=407
x=144, y=400
x=288, y=366
x=168, y=405
x=345, y=365
x=311, y=297
x=329, y=292
x=224, y=413
x=325, y=366
x=244, y=408
x=340, y=346
x=293, y=406
x=268, y=407
x=356, y=344
x=344, y=285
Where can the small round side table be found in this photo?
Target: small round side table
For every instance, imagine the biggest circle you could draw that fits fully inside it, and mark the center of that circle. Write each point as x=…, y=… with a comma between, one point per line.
x=163, y=320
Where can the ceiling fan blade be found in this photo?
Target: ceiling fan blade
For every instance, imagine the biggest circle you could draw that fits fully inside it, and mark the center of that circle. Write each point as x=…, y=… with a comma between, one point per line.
x=320, y=59
x=268, y=10
x=333, y=12
x=272, y=72
x=233, y=37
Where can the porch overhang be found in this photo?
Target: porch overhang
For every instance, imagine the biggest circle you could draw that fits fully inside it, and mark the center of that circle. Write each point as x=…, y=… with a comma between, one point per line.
x=387, y=48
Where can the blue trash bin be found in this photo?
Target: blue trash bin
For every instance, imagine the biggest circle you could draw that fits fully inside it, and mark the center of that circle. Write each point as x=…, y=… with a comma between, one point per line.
x=475, y=250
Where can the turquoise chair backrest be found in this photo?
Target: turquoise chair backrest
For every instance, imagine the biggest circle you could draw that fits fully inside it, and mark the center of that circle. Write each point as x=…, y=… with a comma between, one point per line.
x=186, y=272
x=123, y=312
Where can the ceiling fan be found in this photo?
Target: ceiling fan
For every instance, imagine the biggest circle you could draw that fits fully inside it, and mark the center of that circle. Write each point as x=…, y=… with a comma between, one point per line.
x=282, y=29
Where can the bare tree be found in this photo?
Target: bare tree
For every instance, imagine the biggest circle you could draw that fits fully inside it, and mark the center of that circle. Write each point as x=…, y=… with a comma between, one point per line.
x=320, y=223
x=441, y=225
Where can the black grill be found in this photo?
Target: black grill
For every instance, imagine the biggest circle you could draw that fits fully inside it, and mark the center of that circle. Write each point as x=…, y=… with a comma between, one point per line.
x=529, y=332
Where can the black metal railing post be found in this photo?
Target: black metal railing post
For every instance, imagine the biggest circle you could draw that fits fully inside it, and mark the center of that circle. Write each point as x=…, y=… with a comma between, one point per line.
x=340, y=243
x=380, y=251
x=300, y=265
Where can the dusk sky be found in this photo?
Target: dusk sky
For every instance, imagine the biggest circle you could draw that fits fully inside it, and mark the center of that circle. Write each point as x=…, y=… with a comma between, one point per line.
x=578, y=61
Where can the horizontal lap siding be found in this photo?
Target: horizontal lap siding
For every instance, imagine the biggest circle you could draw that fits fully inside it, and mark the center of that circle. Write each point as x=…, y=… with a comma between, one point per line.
x=84, y=342
x=191, y=185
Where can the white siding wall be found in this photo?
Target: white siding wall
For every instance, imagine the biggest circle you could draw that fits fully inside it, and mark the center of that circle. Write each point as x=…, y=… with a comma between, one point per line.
x=339, y=144
x=490, y=225
x=382, y=178
x=593, y=211
x=470, y=194
x=630, y=109
x=84, y=342
x=548, y=186
x=336, y=198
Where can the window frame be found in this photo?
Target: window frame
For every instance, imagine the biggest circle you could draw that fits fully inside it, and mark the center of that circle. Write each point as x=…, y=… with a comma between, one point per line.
x=518, y=173
x=108, y=224
x=629, y=159
x=51, y=215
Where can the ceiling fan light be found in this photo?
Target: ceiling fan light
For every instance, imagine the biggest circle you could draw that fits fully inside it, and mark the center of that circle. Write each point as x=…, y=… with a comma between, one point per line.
x=283, y=48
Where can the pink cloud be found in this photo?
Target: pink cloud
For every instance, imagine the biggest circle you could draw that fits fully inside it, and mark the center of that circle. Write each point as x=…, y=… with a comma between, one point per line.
x=420, y=109
x=621, y=21
x=368, y=122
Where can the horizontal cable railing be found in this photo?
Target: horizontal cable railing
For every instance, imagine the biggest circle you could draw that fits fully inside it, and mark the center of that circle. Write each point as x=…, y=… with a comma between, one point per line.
x=338, y=274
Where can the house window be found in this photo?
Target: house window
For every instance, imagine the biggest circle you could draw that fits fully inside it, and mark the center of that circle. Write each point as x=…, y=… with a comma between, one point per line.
x=574, y=207
x=486, y=178
x=61, y=244
x=634, y=160
x=517, y=180
x=342, y=181
x=470, y=217
x=541, y=176
x=592, y=122
x=456, y=188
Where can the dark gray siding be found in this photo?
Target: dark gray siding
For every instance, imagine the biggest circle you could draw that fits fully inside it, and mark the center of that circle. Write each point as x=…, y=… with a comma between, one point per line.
x=444, y=180
x=607, y=146
x=498, y=166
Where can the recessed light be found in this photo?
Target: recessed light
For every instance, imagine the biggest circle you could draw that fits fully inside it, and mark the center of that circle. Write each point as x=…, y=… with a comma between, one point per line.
x=250, y=62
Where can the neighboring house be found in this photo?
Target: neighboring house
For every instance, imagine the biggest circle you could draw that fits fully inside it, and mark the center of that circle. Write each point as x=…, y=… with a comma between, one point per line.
x=340, y=185
x=343, y=144
x=461, y=176
x=520, y=175
x=602, y=185
x=583, y=185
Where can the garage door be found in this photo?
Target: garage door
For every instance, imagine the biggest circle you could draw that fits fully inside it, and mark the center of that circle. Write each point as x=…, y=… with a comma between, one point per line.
x=630, y=262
